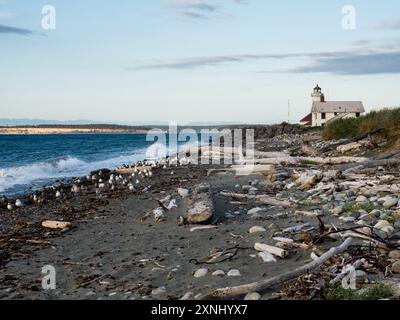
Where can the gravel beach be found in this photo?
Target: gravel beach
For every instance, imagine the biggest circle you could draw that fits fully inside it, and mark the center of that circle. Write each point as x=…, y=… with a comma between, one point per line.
x=135, y=240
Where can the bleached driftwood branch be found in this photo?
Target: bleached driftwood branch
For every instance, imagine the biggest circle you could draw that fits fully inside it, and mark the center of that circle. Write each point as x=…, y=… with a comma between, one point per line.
x=262, y=285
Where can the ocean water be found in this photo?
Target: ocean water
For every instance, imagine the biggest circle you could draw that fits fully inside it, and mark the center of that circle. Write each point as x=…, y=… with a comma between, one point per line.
x=28, y=162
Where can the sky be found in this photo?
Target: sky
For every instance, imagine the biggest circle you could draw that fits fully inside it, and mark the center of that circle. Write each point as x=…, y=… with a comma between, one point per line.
x=191, y=61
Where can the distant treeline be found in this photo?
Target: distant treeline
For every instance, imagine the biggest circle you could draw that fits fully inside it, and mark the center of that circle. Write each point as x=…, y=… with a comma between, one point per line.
x=81, y=126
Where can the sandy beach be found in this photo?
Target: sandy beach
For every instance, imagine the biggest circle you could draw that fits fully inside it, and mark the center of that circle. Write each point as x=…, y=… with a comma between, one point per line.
x=116, y=248
x=18, y=131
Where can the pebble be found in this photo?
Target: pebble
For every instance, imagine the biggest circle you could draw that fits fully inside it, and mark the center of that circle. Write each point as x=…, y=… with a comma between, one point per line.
x=252, y=296
x=361, y=199
x=159, y=291
x=257, y=229
x=337, y=210
x=254, y=211
x=183, y=192
x=348, y=219
x=395, y=254
x=234, y=273
x=355, y=215
x=18, y=203
x=200, y=273
x=368, y=217
x=188, y=296
x=218, y=273
x=396, y=267
x=267, y=257
x=389, y=202
x=384, y=226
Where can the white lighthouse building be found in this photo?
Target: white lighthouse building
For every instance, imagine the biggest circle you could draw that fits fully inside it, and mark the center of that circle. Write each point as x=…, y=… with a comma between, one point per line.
x=324, y=112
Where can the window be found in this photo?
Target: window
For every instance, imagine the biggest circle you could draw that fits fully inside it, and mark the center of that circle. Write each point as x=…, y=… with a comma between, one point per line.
x=323, y=116
x=357, y=114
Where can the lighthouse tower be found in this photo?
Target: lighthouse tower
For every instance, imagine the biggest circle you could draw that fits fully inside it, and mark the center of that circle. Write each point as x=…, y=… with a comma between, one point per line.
x=317, y=95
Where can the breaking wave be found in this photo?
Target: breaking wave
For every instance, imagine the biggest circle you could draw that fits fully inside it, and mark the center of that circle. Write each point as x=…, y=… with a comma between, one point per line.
x=67, y=167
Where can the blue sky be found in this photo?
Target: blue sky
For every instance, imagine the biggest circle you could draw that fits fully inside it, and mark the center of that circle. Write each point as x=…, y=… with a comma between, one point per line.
x=194, y=60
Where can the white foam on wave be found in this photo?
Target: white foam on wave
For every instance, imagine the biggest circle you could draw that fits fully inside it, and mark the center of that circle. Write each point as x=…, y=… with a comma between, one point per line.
x=62, y=168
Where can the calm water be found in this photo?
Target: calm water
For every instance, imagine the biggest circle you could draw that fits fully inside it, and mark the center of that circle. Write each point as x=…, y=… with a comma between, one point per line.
x=29, y=161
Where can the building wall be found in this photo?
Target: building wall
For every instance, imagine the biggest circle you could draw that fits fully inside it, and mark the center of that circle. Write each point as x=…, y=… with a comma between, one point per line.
x=317, y=120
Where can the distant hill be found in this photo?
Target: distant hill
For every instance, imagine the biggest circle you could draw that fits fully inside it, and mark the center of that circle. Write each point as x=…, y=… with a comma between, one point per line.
x=35, y=122
x=38, y=122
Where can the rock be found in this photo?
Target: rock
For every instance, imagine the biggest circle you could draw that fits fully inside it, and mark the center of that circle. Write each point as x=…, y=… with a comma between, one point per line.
x=377, y=213
x=184, y=193
x=308, y=179
x=396, y=267
x=252, y=296
x=389, y=202
x=337, y=210
x=188, y=296
x=202, y=188
x=201, y=209
x=200, y=273
x=254, y=211
x=234, y=273
x=18, y=203
x=369, y=217
x=75, y=189
x=361, y=199
x=355, y=215
x=395, y=255
x=348, y=219
x=158, y=214
x=55, y=224
x=385, y=227
x=159, y=291
x=257, y=229
x=266, y=257
x=218, y=273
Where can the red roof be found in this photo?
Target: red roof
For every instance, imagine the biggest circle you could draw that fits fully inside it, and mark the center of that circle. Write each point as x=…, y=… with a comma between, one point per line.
x=307, y=119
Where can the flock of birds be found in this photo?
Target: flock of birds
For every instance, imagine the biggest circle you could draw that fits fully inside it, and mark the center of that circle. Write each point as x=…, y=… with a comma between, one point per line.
x=101, y=181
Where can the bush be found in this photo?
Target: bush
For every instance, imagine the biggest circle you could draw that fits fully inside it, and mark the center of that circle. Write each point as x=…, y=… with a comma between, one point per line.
x=388, y=120
x=380, y=291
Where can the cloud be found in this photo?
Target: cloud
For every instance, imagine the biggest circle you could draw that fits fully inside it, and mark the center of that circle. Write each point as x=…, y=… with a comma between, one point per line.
x=389, y=25
x=356, y=64
x=352, y=62
x=199, y=62
x=201, y=9
x=14, y=30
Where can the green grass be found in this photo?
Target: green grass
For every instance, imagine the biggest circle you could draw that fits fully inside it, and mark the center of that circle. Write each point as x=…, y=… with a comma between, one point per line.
x=390, y=219
x=307, y=203
x=349, y=208
x=380, y=291
x=387, y=119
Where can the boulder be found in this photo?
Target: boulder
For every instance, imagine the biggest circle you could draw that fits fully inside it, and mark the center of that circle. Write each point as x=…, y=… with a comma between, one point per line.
x=201, y=209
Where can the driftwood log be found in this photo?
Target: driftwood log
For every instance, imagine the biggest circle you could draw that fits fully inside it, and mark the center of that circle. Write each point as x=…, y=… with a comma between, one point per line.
x=347, y=141
x=368, y=164
x=262, y=285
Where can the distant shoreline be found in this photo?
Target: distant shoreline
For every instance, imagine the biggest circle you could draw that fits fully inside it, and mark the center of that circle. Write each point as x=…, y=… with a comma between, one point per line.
x=44, y=131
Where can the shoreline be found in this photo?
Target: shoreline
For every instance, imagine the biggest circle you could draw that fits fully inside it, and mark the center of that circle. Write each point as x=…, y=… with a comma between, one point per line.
x=61, y=131
x=135, y=240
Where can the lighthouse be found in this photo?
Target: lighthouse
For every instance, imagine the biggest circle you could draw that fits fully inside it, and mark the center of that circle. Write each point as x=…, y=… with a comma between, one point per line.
x=324, y=112
x=317, y=94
